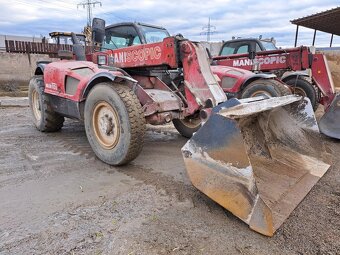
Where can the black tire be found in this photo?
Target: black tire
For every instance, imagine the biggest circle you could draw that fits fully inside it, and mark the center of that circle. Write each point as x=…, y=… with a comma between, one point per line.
x=187, y=127
x=268, y=87
x=44, y=118
x=303, y=87
x=107, y=107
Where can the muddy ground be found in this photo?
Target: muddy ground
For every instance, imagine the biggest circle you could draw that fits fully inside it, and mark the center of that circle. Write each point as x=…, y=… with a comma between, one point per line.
x=57, y=198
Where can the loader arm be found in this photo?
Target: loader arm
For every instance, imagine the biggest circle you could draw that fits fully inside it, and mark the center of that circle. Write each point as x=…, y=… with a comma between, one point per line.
x=201, y=88
x=294, y=59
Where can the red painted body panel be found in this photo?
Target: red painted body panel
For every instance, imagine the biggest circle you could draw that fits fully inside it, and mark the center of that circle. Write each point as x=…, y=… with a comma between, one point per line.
x=239, y=74
x=322, y=78
x=199, y=81
x=55, y=76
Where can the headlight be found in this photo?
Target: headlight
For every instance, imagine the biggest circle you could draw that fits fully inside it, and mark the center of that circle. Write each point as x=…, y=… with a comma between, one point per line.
x=102, y=60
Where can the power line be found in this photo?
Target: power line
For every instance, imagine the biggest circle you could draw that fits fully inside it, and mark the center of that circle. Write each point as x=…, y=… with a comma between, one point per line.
x=38, y=6
x=88, y=4
x=112, y=16
x=208, y=31
x=56, y=5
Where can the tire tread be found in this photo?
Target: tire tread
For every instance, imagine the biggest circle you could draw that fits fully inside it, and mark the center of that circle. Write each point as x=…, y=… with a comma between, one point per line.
x=315, y=95
x=51, y=121
x=134, y=116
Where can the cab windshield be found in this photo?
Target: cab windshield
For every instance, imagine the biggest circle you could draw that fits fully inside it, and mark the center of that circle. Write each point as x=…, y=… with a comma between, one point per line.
x=153, y=34
x=126, y=35
x=269, y=45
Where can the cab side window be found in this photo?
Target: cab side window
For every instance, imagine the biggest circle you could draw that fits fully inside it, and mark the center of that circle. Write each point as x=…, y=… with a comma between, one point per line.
x=229, y=49
x=243, y=49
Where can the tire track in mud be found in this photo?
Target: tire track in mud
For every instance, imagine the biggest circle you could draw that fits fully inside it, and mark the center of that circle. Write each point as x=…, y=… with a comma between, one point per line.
x=26, y=153
x=77, y=143
x=160, y=181
x=173, y=188
x=76, y=140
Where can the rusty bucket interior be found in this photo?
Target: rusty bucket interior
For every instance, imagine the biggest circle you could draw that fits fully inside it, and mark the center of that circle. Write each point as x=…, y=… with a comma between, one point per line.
x=258, y=158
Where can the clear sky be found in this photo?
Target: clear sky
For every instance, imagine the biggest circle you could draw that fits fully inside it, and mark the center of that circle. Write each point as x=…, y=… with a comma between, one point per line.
x=240, y=18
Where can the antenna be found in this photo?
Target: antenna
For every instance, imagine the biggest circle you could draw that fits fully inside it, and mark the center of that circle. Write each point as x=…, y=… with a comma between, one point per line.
x=208, y=31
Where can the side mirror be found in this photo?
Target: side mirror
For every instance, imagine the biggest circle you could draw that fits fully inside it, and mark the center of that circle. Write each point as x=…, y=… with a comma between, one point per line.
x=252, y=50
x=98, y=30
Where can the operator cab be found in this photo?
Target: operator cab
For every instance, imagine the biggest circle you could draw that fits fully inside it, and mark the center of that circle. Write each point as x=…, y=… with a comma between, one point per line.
x=132, y=33
x=66, y=38
x=243, y=46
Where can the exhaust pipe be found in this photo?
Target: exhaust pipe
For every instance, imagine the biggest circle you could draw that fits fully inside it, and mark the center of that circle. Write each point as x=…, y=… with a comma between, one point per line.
x=78, y=49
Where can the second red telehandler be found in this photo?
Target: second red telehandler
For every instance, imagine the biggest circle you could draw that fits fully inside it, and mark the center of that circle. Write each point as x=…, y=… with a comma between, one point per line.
x=306, y=72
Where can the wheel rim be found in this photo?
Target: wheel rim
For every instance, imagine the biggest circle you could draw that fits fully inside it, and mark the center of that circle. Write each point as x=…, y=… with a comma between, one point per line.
x=191, y=123
x=300, y=92
x=36, y=105
x=106, y=125
x=261, y=93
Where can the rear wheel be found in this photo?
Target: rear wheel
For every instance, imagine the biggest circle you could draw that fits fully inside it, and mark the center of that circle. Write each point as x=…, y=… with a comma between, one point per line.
x=44, y=118
x=304, y=88
x=188, y=126
x=265, y=87
x=114, y=123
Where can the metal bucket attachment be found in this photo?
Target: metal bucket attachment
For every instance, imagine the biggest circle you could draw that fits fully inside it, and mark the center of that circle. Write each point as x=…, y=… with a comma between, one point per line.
x=329, y=123
x=258, y=158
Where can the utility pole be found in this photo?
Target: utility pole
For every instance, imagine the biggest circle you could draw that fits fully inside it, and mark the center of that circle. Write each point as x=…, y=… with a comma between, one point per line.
x=88, y=28
x=89, y=4
x=208, y=29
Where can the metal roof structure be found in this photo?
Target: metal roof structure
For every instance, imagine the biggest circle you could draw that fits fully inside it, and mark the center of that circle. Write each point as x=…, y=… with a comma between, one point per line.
x=327, y=21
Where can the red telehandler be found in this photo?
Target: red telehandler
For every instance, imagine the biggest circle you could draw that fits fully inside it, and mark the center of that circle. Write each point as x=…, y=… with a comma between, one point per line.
x=306, y=72
x=257, y=157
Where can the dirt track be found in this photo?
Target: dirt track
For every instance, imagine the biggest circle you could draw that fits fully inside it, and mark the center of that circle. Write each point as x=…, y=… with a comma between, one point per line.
x=57, y=198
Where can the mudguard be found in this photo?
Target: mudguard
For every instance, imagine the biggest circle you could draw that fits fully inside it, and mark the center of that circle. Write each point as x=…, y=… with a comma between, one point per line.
x=288, y=75
x=101, y=76
x=40, y=67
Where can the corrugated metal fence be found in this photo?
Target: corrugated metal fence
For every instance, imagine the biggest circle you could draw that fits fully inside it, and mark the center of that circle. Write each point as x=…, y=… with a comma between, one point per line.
x=37, y=47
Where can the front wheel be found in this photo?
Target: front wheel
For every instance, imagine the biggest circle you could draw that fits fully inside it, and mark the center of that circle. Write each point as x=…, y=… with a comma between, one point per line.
x=265, y=87
x=188, y=126
x=114, y=123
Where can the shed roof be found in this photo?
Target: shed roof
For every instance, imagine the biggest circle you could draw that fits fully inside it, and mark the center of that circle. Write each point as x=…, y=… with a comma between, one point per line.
x=327, y=21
